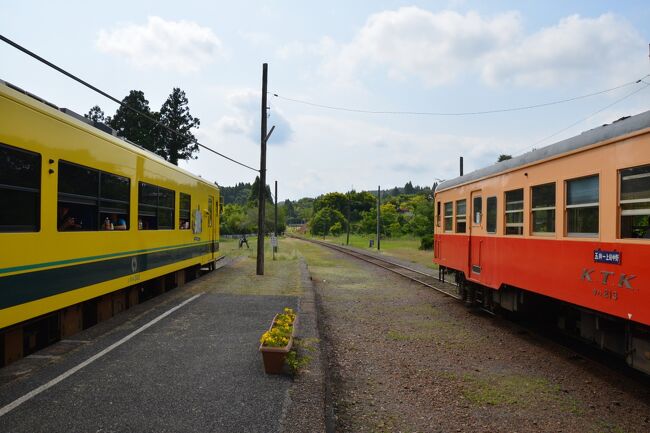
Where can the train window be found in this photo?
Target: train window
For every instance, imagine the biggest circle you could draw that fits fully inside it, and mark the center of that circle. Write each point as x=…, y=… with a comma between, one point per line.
x=155, y=207
x=461, y=216
x=438, y=215
x=515, y=212
x=91, y=199
x=543, y=208
x=449, y=216
x=210, y=210
x=20, y=185
x=635, y=202
x=184, y=211
x=477, y=210
x=582, y=206
x=491, y=219
x=114, y=201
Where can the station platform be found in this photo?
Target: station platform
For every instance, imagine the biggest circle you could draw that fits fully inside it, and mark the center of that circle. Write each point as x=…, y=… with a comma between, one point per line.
x=195, y=369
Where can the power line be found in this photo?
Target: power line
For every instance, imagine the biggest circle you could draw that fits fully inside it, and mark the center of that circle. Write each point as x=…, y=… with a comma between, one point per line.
x=461, y=113
x=591, y=115
x=112, y=98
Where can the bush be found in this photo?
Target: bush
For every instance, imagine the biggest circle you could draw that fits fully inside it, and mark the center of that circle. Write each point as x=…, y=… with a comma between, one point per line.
x=426, y=243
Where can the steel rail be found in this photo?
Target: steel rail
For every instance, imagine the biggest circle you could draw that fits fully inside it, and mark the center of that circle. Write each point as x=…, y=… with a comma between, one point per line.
x=385, y=264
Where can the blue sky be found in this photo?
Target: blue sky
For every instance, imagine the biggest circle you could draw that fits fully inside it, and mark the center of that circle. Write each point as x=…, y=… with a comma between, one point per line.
x=446, y=56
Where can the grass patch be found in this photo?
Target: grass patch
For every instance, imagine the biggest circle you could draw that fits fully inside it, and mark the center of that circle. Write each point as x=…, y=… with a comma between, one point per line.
x=517, y=390
x=404, y=248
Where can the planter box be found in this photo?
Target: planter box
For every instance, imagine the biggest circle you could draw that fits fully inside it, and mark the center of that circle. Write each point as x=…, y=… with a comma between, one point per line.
x=273, y=357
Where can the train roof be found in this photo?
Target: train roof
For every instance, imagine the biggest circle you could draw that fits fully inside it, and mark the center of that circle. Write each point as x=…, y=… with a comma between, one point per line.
x=620, y=127
x=105, y=129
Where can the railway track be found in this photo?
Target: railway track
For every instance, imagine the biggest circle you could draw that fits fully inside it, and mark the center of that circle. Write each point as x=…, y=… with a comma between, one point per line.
x=423, y=278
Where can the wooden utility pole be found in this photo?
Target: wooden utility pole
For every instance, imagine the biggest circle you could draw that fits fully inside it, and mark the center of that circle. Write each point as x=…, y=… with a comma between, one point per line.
x=461, y=165
x=261, y=200
x=347, y=240
x=274, y=243
x=275, y=227
x=378, y=217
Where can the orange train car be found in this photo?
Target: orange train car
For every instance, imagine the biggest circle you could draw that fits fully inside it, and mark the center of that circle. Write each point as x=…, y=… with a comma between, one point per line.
x=567, y=225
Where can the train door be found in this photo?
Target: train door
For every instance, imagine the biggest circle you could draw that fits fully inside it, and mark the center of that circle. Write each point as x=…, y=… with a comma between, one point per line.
x=211, y=225
x=475, y=231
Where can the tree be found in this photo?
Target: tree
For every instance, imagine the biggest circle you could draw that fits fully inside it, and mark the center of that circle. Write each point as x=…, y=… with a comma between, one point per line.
x=504, y=157
x=325, y=219
x=254, y=194
x=332, y=200
x=96, y=115
x=408, y=188
x=175, y=114
x=134, y=126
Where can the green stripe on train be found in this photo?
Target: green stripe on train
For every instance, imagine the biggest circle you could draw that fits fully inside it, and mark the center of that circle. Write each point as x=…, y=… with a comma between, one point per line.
x=31, y=286
x=90, y=258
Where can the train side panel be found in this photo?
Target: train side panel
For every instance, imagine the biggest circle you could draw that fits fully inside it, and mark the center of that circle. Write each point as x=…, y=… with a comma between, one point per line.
x=47, y=270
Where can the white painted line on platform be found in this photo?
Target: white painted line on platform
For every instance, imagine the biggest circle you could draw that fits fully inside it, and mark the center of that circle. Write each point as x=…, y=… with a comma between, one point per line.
x=11, y=406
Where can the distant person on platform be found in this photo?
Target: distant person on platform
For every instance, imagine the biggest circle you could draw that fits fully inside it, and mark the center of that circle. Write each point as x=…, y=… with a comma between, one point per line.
x=243, y=241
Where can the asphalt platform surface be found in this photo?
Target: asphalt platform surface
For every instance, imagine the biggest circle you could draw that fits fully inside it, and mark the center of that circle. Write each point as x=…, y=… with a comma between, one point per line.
x=196, y=370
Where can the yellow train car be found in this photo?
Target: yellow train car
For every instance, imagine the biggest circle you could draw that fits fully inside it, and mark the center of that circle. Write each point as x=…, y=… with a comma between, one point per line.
x=84, y=213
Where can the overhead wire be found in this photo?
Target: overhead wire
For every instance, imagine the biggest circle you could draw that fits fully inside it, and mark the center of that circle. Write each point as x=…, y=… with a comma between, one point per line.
x=121, y=103
x=460, y=113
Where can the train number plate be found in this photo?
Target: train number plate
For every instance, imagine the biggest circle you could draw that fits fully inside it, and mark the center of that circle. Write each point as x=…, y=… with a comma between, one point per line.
x=613, y=257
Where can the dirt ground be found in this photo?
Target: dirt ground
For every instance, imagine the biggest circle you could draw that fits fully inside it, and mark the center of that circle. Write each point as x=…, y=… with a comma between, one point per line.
x=403, y=358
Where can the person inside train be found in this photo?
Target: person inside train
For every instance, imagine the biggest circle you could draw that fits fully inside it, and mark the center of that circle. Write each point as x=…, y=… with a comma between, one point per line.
x=65, y=220
x=114, y=222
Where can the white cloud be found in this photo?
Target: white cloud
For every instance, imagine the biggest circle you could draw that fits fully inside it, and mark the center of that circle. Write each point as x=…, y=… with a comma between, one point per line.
x=434, y=47
x=245, y=119
x=183, y=46
x=574, y=49
x=441, y=47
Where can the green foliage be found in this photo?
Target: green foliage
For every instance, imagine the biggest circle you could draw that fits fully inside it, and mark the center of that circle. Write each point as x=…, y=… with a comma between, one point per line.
x=298, y=357
x=134, y=126
x=426, y=243
x=336, y=229
x=504, y=157
x=238, y=194
x=255, y=190
x=96, y=115
x=324, y=220
x=144, y=132
x=175, y=114
x=332, y=200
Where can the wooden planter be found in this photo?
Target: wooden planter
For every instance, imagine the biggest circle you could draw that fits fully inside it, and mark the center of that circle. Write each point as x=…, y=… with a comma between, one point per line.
x=273, y=357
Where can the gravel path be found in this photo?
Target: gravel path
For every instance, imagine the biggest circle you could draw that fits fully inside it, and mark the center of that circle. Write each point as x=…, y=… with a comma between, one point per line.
x=403, y=358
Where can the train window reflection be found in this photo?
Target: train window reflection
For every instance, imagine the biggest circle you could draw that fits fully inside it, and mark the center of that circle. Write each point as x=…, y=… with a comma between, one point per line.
x=449, y=216
x=477, y=208
x=91, y=199
x=491, y=219
x=20, y=186
x=543, y=208
x=635, y=202
x=461, y=216
x=185, y=201
x=155, y=207
x=515, y=212
x=582, y=206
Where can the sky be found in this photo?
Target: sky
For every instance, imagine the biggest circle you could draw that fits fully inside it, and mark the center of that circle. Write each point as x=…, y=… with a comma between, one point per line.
x=444, y=57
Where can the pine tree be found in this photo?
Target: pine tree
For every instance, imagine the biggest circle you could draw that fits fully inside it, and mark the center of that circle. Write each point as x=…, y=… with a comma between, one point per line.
x=134, y=126
x=96, y=114
x=175, y=114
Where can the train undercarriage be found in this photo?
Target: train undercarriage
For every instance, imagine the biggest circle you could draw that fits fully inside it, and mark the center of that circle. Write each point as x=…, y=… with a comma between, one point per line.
x=625, y=339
